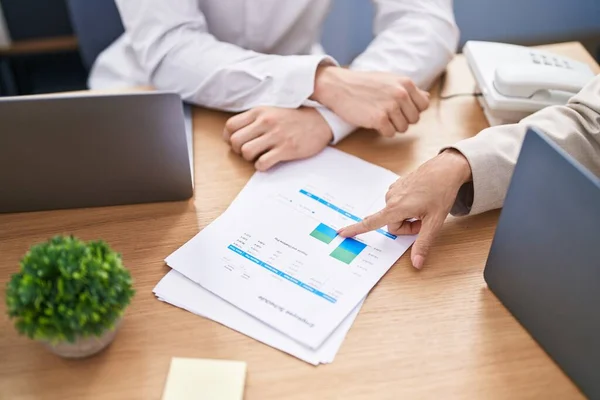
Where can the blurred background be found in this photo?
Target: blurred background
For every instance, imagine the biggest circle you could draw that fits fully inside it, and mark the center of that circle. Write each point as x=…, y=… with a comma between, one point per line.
x=49, y=45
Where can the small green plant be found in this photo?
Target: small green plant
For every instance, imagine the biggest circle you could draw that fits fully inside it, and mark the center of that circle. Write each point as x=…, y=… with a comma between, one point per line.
x=67, y=289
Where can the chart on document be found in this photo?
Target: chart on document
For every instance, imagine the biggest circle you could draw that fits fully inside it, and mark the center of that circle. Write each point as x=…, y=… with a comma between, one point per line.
x=316, y=217
x=285, y=264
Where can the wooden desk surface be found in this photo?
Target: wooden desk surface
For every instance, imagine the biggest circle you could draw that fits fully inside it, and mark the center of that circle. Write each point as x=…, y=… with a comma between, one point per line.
x=37, y=46
x=438, y=333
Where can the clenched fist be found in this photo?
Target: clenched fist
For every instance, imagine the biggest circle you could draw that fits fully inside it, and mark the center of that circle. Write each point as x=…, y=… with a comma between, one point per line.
x=269, y=135
x=383, y=101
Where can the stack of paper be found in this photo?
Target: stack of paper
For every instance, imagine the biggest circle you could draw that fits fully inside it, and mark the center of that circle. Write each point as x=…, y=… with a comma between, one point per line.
x=273, y=267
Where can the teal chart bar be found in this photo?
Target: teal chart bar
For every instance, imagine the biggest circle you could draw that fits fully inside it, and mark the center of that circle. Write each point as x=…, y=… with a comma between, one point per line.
x=343, y=212
x=347, y=251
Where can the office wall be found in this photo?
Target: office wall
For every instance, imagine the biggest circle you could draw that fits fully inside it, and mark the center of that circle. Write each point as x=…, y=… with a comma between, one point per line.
x=39, y=72
x=348, y=27
x=528, y=21
x=28, y=19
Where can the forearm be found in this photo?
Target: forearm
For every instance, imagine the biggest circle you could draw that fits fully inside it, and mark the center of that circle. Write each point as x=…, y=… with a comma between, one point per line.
x=172, y=44
x=493, y=153
x=416, y=39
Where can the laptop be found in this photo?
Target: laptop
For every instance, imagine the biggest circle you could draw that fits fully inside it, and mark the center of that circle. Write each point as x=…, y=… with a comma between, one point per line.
x=544, y=263
x=72, y=151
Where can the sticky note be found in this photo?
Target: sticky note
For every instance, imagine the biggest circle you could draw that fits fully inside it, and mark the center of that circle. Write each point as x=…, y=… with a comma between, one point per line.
x=200, y=379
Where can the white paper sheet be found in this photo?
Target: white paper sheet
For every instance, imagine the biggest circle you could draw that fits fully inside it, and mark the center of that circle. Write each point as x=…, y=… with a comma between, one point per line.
x=263, y=257
x=179, y=291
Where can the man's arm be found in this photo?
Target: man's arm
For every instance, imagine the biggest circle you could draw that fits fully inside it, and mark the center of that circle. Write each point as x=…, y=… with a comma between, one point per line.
x=487, y=160
x=493, y=153
x=414, y=38
x=170, y=40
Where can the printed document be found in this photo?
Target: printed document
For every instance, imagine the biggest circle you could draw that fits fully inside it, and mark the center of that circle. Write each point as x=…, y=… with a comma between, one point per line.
x=280, y=259
x=179, y=291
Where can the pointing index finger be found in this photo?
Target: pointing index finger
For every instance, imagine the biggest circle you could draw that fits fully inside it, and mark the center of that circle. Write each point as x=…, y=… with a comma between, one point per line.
x=368, y=224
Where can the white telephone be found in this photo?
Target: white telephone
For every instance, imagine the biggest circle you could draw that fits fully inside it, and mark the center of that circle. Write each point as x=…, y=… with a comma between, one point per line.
x=516, y=81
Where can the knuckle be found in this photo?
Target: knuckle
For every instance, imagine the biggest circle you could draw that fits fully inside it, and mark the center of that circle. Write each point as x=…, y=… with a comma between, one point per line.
x=393, y=203
x=236, y=143
x=426, y=102
x=407, y=83
x=402, y=126
x=400, y=94
x=381, y=118
x=266, y=119
x=229, y=125
x=246, y=152
x=367, y=223
x=392, y=107
x=394, y=228
x=260, y=165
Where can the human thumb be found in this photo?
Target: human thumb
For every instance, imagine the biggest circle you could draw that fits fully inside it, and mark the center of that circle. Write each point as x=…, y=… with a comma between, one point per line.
x=429, y=229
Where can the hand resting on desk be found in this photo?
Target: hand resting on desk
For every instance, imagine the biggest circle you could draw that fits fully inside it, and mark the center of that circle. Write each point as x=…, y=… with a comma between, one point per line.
x=386, y=102
x=383, y=101
x=269, y=135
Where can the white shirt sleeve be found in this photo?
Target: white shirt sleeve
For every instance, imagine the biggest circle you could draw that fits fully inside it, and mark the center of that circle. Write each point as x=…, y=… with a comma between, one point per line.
x=171, y=42
x=414, y=38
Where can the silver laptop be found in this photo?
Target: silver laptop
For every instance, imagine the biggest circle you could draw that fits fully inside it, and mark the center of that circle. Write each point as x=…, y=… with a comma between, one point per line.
x=93, y=150
x=544, y=264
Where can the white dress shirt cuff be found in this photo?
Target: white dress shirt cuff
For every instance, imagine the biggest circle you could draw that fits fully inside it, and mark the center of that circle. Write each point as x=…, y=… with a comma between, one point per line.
x=339, y=128
x=298, y=84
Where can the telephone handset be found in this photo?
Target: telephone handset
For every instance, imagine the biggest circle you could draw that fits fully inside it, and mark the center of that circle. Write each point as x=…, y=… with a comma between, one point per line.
x=516, y=81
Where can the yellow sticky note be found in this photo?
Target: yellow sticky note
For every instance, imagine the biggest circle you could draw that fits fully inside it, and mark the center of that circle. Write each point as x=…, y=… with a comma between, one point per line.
x=200, y=379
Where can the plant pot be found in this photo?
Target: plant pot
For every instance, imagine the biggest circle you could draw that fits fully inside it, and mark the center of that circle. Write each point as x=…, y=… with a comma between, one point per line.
x=84, y=347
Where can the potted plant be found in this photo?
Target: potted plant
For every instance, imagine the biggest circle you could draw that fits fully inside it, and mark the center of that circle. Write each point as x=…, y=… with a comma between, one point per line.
x=70, y=295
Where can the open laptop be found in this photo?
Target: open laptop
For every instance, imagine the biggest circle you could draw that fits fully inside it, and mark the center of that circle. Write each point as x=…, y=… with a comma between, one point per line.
x=73, y=151
x=544, y=264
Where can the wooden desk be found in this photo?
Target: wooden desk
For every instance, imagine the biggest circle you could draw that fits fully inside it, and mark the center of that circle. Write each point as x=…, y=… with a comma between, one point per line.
x=38, y=46
x=438, y=333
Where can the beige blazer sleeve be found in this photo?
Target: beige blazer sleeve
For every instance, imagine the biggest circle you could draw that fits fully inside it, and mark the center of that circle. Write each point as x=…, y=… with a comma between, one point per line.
x=494, y=151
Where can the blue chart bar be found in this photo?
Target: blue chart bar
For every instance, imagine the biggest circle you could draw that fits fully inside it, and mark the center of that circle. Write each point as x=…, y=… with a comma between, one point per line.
x=326, y=230
x=347, y=251
x=280, y=273
x=353, y=246
x=324, y=233
x=343, y=212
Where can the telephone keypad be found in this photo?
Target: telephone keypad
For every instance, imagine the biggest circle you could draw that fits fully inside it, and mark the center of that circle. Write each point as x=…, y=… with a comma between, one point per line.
x=554, y=61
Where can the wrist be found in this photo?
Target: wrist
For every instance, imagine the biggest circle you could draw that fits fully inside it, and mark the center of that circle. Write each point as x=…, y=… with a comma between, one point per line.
x=457, y=165
x=323, y=81
x=323, y=127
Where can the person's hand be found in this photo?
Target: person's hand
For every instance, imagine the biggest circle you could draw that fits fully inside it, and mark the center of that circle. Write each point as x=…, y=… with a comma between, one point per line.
x=377, y=100
x=269, y=135
x=425, y=197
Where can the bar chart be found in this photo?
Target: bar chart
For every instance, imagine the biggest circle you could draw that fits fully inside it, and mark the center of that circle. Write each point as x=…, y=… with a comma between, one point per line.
x=347, y=251
x=324, y=233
